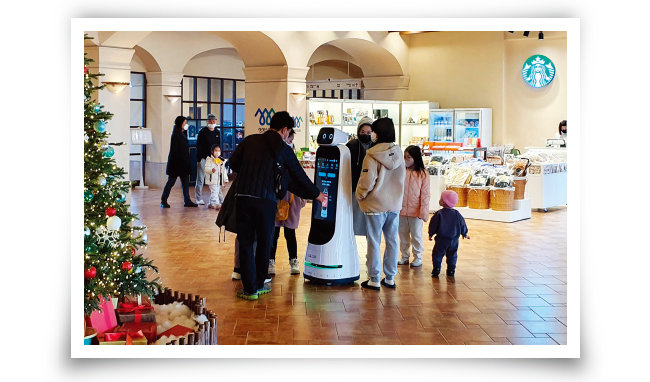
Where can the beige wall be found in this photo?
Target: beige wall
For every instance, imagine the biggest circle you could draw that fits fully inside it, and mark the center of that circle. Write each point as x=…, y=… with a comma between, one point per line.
x=459, y=69
x=532, y=115
x=333, y=69
x=224, y=63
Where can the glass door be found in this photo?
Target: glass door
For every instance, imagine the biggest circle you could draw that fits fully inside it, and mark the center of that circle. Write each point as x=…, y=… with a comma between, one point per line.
x=467, y=127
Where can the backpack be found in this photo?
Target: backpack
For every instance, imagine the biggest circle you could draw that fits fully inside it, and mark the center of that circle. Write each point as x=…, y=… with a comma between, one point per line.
x=283, y=209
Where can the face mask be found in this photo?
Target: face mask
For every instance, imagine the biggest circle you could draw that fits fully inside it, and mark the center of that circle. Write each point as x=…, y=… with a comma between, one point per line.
x=409, y=162
x=563, y=131
x=373, y=137
x=212, y=125
x=364, y=138
x=185, y=127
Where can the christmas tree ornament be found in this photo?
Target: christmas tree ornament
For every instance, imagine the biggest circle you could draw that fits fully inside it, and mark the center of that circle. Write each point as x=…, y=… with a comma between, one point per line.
x=127, y=266
x=88, y=196
x=101, y=181
x=145, y=238
x=85, y=70
x=86, y=231
x=90, y=273
x=92, y=248
x=121, y=197
x=132, y=251
x=110, y=211
x=107, y=237
x=97, y=108
x=109, y=152
x=100, y=126
x=113, y=223
x=138, y=270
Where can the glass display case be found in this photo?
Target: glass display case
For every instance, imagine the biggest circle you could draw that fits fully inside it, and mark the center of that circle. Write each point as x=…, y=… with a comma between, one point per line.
x=473, y=127
x=414, y=123
x=441, y=125
x=353, y=111
x=387, y=109
x=323, y=112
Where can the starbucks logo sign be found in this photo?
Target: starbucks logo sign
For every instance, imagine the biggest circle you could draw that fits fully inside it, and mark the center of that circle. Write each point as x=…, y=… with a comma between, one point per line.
x=538, y=71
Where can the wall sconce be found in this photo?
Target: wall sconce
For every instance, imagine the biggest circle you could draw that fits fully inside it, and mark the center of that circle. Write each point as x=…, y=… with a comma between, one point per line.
x=298, y=96
x=115, y=87
x=173, y=98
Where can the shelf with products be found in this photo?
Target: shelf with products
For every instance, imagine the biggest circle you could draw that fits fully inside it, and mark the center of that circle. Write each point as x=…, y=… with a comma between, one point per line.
x=414, y=122
x=322, y=112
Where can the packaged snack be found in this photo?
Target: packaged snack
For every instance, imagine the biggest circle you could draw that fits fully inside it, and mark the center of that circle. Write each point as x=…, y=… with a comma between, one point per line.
x=503, y=181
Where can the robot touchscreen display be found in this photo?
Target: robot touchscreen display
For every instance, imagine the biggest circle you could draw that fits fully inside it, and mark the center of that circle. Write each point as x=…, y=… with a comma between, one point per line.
x=326, y=179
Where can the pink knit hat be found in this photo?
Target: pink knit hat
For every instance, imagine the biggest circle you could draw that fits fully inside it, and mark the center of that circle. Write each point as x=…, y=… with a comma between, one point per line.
x=449, y=197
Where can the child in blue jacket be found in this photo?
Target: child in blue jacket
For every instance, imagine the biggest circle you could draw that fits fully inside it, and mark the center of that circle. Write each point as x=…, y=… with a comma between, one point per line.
x=448, y=225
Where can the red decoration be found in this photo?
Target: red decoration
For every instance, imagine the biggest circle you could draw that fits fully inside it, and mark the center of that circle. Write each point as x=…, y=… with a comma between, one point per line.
x=85, y=70
x=110, y=211
x=90, y=273
x=126, y=266
x=132, y=251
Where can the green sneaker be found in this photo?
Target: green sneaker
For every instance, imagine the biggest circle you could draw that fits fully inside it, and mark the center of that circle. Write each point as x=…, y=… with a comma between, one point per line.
x=246, y=296
x=265, y=289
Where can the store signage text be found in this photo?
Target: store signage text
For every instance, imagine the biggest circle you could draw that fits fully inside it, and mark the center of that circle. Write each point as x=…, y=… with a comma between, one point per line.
x=538, y=71
x=333, y=85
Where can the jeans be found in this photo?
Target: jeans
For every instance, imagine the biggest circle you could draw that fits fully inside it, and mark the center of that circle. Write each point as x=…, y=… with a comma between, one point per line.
x=255, y=221
x=410, y=235
x=387, y=223
x=200, y=179
x=445, y=247
x=185, y=183
x=292, y=244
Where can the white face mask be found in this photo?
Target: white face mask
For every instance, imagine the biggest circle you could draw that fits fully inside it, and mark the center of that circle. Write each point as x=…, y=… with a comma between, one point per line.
x=185, y=126
x=212, y=125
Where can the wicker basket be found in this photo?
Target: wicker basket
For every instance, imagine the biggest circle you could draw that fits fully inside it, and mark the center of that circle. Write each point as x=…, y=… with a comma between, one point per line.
x=502, y=199
x=478, y=198
x=462, y=194
x=520, y=187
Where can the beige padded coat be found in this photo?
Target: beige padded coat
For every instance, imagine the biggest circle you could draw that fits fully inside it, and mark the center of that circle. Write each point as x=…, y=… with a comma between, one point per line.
x=381, y=185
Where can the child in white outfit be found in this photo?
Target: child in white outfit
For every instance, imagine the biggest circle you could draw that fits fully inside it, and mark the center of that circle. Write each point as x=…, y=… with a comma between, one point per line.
x=215, y=176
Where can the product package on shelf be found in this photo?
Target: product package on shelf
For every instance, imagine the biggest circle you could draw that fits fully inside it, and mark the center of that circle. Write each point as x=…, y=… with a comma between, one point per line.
x=173, y=308
x=134, y=309
x=458, y=175
x=104, y=320
x=503, y=181
x=520, y=166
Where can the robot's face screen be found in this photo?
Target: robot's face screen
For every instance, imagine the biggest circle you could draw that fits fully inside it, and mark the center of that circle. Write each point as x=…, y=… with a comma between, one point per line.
x=326, y=179
x=325, y=136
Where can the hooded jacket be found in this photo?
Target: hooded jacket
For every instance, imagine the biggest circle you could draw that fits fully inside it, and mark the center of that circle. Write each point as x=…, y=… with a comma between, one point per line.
x=416, y=195
x=220, y=176
x=381, y=185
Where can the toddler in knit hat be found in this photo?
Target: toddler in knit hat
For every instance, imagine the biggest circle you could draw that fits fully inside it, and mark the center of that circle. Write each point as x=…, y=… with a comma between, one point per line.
x=447, y=224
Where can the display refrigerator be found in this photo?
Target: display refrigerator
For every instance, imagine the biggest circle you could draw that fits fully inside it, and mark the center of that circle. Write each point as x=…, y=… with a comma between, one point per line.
x=441, y=125
x=473, y=127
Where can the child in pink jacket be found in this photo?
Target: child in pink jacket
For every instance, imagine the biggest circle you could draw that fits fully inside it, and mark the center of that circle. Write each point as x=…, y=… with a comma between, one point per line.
x=415, y=207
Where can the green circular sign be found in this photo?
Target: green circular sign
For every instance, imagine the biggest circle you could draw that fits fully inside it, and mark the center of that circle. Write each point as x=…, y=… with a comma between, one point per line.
x=538, y=71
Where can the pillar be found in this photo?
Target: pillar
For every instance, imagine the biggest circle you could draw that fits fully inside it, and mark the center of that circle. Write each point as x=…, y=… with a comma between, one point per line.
x=161, y=112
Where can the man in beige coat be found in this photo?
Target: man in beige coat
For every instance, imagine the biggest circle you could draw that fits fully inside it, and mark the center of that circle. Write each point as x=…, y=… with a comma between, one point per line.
x=380, y=191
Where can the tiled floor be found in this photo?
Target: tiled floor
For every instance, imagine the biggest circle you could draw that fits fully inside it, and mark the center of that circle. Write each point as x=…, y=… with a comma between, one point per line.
x=510, y=285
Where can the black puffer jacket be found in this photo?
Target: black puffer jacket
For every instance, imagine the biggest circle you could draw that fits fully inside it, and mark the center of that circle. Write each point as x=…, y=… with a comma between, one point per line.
x=357, y=153
x=253, y=162
x=178, y=161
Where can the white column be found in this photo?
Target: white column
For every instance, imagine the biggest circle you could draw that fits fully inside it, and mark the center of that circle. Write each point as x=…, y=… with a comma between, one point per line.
x=161, y=112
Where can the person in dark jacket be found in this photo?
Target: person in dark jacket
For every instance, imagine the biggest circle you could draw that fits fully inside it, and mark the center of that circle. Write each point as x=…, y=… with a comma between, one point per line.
x=207, y=138
x=358, y=148
x=256, y=200
x=447, y=224
x=178, y=163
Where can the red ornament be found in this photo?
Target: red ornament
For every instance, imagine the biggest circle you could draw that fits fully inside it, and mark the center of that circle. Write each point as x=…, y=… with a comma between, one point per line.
x=110, y=211
x=90, y=273
x=132, y=251
x=85, y=70
x=126, y=266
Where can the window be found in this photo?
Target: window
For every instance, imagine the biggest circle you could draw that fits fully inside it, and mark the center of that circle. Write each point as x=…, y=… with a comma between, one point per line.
x=223, y=97
x=138, y=99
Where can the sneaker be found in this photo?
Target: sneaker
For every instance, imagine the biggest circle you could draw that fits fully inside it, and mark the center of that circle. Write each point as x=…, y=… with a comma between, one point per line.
x=388, y=283
x=200, y=202
x=236, y=276
x=271, y=267
x=416, y=263
x=191, y=204
x=246, y=296
x=217, y=207
x=295, y=266
x=164, y=205
x=265, y=289
x=403, y=260
x=267, y=280
x=369, y=284
x=210, y=205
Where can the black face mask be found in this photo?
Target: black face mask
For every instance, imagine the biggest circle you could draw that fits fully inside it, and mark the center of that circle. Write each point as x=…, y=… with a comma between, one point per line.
x=364, y=138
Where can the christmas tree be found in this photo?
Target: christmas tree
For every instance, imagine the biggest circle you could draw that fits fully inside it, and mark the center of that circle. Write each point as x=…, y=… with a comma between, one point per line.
x=112, y=265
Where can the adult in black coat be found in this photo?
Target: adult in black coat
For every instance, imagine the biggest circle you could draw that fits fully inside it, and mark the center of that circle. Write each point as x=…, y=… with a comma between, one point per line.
x=256, y=201
x=358, y=148
x=178, y=163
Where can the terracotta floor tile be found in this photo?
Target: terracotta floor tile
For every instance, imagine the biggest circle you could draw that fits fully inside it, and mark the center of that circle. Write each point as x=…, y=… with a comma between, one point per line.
x=544, y=327
x=489, y=277
x=506, y=331
x=532, y=341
